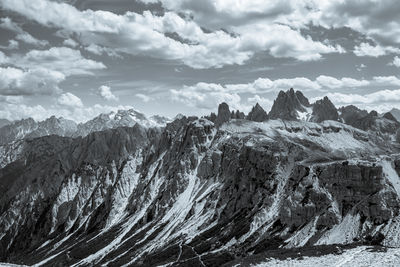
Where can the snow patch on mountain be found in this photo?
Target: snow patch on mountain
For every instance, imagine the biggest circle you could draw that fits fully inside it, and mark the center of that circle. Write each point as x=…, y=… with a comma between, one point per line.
x=305, y=114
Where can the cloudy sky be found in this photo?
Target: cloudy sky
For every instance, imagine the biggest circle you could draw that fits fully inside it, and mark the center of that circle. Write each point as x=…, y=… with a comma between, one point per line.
x=79, y=58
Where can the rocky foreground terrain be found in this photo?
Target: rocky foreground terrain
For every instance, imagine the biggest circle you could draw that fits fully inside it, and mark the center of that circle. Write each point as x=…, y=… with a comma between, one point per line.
x=219, y=190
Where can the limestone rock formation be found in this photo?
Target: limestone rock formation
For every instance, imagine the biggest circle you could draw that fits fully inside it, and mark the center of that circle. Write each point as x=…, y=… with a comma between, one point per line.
x=396, y=113
x=324, y=109
x=223, y=114
x=288, y=105
x=257, y=113
x=389, y=116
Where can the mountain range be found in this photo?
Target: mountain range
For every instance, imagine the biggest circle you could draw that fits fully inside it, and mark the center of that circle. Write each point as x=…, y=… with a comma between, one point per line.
x=29, y=128
x=221, y=190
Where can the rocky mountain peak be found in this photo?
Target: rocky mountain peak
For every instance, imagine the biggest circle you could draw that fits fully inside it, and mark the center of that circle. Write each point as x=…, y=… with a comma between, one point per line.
x=178, y=116
x=288, y=105
x=29, y=128
x=324, y=109
x=238, y=115
x=366, y=121
x=373, y=113
x=302, y=99
x=121, y=118
x=389, y=116
x=17, y=130
x=160, y=120
x=223, y=115
x=129, y=114
x=396, y=113
x=258, y=114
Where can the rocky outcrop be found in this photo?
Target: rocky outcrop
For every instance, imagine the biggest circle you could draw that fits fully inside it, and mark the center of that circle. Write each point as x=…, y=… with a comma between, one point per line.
x=389, y=116
x=257, y=114
x=288, y=105
x=371, y=121
x=324, y=109
x=223, y=114
x=329, y=193
x=396, y=113
x=351, y=114
x=237, y=115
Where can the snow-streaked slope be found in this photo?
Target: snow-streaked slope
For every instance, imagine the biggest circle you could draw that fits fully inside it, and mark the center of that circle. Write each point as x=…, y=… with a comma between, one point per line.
x=306, y=114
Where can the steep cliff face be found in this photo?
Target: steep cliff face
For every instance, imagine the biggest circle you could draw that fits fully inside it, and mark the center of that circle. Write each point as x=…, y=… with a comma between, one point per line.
x=194, y=194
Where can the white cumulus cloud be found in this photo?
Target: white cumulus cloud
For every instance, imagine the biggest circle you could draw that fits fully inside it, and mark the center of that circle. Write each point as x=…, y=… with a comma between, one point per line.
x=146, y=33
x=39, y=81
x=396, y=62
x=69, y=100
x=143, y=97
x=365, y=49
x=105, y=92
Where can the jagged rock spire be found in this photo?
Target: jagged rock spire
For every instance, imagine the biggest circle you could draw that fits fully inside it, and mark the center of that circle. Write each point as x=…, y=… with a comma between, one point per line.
x=324, y=109
x=258, y=114
x=223, y=115
x=287, y=105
